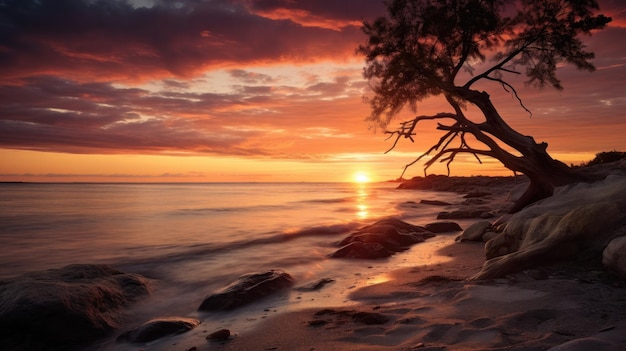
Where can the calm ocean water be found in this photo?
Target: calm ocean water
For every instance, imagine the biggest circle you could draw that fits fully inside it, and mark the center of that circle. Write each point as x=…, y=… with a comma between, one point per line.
x=195, y=238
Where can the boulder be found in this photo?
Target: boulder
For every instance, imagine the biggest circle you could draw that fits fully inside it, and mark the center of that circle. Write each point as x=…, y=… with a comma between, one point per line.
x=368, y=251
x=65, y=308
x=443, y=227
x=577, y=222
x=381, y=239
x=158, y=328
x=614, y=256
x=247, y=289
x=474, y=232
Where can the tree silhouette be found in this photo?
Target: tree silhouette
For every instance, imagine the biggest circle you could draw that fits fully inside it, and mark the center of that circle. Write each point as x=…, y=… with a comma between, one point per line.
x=425, y=48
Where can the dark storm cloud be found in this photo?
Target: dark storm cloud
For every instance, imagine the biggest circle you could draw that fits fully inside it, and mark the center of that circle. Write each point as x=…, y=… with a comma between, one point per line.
x=102, y=40
x=67, y=68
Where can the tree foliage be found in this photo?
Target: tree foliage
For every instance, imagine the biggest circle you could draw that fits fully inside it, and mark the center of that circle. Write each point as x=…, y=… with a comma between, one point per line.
x=420, y=48
x=425, y=48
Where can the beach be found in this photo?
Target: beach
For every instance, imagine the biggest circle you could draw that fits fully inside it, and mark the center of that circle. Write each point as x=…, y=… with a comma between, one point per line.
x=562, y=306
x=424, y=298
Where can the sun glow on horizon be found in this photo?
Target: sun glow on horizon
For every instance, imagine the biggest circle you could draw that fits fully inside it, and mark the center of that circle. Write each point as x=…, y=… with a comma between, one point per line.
x=361, y=177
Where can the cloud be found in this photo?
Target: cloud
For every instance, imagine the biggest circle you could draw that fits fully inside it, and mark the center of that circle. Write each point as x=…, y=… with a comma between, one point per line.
x=112, y=40
x=254, y=78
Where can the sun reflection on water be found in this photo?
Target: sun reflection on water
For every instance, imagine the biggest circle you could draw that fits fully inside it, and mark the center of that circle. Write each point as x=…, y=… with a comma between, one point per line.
x=362, y=208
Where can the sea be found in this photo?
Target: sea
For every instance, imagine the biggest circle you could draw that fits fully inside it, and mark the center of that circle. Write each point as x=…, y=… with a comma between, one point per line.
x=196, y=238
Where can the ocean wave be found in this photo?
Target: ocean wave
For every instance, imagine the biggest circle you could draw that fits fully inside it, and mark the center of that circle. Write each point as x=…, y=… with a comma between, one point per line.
x=192, y=252
x=327, y=201
x=208, y=210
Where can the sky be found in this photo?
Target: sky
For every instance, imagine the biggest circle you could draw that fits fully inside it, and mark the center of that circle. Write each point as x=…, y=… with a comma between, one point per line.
x=245, y=90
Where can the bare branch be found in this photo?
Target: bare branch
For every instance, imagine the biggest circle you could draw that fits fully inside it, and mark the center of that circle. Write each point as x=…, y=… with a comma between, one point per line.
x=407, y=128
x=506, y=85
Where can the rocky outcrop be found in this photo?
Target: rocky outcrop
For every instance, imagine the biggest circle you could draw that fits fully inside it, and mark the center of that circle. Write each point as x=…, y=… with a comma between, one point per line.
x=65, y=308
x=465, y=185
x=158, y=328
x=577, y=222
x=614, y=256
x=247, y=289
x=381, y=239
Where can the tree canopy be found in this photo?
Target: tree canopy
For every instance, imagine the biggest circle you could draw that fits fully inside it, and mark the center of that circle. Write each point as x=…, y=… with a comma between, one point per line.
x=420, y=48
x=425, y=48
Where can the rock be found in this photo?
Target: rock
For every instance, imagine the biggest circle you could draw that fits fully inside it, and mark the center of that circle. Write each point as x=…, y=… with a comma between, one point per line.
x=577, y=222
x=486, y=215
x=474, y=201
x=370, y=251
x=614, y=256
x=474, y=232
x=488, y=235
x=475, y=194
x=65, y=308
x=435, y=203
x=220, y=335
x=158, y=328
x=247, y=289
x=443, y=227
x=465, y=214
x=381, y=239
x=314, y=286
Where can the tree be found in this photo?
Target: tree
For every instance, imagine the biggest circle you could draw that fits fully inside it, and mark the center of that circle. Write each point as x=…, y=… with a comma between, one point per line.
x=423, y=48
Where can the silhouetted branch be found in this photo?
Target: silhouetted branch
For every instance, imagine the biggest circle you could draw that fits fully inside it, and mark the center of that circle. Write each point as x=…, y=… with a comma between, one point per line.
x=505, y=85
x=407, y=128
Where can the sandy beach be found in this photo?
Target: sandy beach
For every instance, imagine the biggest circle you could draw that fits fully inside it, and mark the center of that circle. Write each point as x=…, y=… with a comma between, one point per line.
x=563, y=306
x=433, y=296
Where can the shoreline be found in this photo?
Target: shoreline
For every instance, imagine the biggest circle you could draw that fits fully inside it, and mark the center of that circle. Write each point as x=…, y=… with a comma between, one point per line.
x=433, y=306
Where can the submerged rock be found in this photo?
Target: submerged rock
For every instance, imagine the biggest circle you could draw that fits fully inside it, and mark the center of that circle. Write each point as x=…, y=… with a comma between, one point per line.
x=65, y=308
x=381, y=239
x=435, y=203
x=247, y=289
x=158, y=328
x=316, y=285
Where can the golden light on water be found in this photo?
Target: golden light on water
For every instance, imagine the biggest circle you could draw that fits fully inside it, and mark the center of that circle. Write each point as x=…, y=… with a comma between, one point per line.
x=362, y=207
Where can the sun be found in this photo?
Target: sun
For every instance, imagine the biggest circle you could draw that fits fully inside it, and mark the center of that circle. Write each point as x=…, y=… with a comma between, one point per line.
x=361, y=177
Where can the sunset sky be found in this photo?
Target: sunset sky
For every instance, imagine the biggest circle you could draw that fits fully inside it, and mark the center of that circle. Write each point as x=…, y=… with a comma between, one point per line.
x=244, y=90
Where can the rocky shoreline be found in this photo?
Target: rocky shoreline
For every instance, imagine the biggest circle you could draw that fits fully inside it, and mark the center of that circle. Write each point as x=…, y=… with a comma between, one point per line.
x=552, y=276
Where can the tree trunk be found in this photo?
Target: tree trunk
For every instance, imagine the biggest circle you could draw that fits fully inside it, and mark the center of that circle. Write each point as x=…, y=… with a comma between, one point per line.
x=544, y=172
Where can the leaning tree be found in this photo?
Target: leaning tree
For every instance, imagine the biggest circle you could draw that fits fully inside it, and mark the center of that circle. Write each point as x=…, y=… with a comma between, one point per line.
x=426, y=48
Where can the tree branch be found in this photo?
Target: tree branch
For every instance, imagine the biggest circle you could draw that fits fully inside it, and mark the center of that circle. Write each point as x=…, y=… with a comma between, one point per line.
x=407, y=128
x=505, y=85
